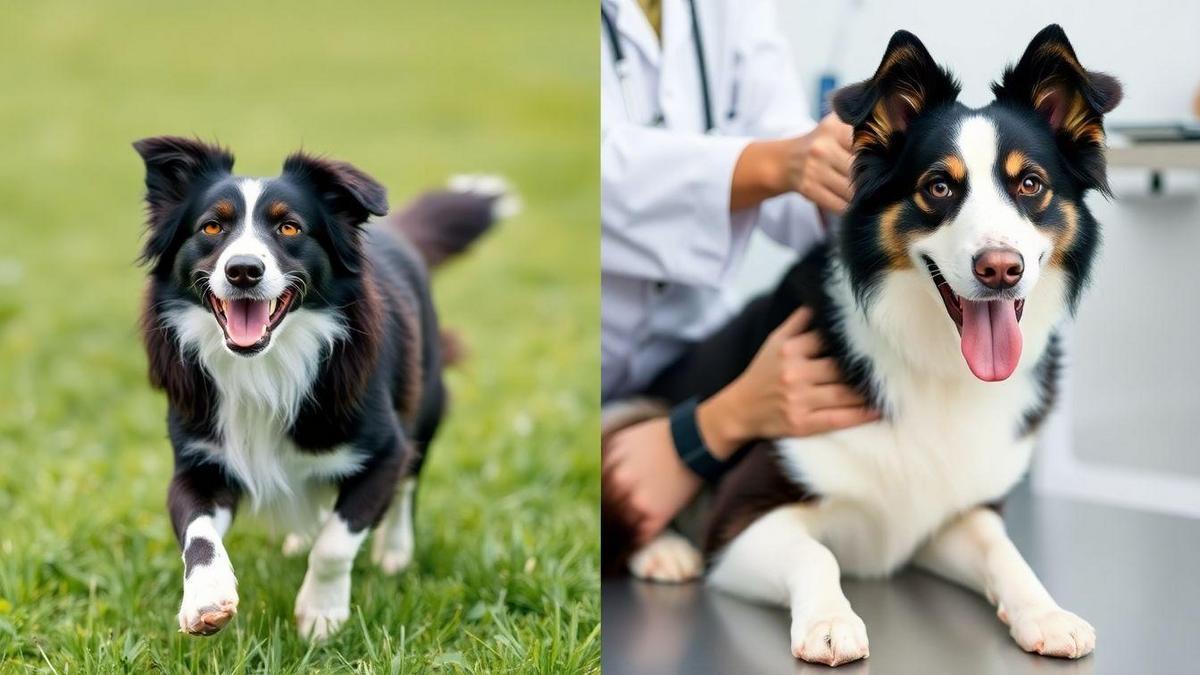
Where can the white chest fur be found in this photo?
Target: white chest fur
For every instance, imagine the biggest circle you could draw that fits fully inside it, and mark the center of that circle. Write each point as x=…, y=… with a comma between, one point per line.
x=952, y=444
x=258, y=400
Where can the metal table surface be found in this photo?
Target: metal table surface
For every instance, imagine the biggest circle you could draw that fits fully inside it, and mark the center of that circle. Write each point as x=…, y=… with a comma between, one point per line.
x=1134, y=575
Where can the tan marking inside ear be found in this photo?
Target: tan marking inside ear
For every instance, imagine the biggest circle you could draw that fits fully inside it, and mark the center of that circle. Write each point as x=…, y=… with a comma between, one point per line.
x=224, y=209
x=905, y=52
x=876, y=130
x=278, y=210
x=1064, y=238
x=1015, y=163
x=1078, y=121
x=894, y=244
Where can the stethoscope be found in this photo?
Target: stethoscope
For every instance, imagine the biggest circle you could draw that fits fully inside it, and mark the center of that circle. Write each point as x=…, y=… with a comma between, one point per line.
x=621, y=65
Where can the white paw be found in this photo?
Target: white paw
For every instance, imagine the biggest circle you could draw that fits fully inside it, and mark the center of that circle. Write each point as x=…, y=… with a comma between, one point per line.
x=831, y=638
x=391, y=561
x=295, y=544
x=322, y=607
x=316, y=624
x=209, y=600
x=1051, y=631
x=668, y=558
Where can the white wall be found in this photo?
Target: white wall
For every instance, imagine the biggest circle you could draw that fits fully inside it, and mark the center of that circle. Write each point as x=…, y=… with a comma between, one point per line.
x=1132, y=433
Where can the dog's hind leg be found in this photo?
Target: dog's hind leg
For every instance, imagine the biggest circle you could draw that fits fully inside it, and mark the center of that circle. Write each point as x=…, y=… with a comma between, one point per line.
x=201, y=503
x=393, y=547
x=974, y=550
x=776, y=560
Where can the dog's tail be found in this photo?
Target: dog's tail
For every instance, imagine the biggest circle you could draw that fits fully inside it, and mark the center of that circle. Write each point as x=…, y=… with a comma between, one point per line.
x=443, y=223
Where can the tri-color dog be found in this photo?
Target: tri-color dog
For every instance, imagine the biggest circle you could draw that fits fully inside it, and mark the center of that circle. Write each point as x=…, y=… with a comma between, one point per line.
x=967, y=242
x=301, y=359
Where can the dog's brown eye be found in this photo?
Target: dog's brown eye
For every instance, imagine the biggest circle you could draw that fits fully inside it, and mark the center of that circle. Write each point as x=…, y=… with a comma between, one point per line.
x=1030, y=185
x=212, y=228
x=939, y=189
x=289, y=229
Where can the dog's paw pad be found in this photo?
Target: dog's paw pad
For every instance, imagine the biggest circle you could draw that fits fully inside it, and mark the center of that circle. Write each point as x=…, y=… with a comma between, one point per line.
x=830, y=639
x=1052, y=632
x=208, y=619
x=669, y=558
x=316, y=625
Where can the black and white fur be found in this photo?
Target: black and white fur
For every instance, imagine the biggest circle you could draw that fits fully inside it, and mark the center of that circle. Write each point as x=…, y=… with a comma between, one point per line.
x=324, y=422
x=920, y=484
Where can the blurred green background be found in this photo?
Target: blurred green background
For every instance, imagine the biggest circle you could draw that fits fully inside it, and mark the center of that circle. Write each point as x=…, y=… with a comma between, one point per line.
x=506, y=577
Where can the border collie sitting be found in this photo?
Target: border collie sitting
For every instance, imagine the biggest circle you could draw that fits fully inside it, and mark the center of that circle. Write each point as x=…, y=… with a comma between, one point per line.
x=967, y=242
x=301, y=359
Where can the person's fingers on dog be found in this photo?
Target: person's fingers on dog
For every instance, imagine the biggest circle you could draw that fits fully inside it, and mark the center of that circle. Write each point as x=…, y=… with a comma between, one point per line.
x=805, y=346
x=833, y=419
x=796, y=323
x=838, y=180
x=826, y=198
x=844, y=133
x=834, y=396
x=823, y=371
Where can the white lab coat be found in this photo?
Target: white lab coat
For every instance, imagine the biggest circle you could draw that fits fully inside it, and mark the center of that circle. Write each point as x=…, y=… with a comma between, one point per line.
x=669, y=241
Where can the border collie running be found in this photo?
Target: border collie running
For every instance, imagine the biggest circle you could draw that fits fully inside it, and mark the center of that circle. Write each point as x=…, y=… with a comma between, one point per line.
x=301, y=358
x=967, y=243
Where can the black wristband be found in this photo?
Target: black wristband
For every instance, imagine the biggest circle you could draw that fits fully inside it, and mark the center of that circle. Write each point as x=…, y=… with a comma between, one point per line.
x=685, y=432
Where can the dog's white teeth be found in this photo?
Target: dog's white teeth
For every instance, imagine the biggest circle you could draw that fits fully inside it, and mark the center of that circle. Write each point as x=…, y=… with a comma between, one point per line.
x=264, y=331
x=225, y=307
x=271, y=309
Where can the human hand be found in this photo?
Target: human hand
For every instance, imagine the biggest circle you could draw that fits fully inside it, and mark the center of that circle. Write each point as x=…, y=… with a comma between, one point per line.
x=642, y=472
x=818, y=164
x=788, y=390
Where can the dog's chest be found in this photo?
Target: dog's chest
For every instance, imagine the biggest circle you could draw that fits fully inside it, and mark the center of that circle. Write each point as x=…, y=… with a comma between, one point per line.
x=886, y=487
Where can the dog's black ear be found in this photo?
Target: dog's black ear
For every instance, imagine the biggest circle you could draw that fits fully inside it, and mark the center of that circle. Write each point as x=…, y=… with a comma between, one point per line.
x=349, y=198
x=906, y=84
x=173, y=166
x=1072, y=100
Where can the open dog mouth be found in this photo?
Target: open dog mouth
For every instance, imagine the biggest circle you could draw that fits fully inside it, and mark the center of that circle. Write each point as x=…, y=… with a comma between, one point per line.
x=989, y=330
x=248, y=322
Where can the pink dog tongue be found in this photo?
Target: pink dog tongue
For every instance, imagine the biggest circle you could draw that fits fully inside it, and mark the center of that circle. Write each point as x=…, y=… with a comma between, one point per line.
x=991, y=339
x=247, y=318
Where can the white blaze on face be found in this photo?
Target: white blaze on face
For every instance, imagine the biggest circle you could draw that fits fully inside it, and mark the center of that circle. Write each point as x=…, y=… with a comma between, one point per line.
x=987, y=218
x=246, y=240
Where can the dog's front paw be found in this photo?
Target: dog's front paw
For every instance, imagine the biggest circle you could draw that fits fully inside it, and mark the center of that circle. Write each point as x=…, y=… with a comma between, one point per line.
x=668, y=558
x=1051, y=631
x=830, y=638
x=322, y=607
x=209, y=601
x=318, y=623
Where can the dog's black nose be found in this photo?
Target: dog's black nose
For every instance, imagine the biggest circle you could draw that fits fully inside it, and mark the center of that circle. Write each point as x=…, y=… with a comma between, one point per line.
x=999, y=268
x=244, y=271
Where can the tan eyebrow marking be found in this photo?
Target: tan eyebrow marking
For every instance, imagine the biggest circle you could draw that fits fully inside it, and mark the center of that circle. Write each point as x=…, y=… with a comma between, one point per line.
x=1015, y=161
x=955, y=167
x=951, y=165
x=224, y=209
x=1018, y=163
x=278, y=210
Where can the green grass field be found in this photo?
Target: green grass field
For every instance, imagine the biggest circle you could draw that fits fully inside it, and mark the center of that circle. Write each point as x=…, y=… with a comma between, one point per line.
x=506, y=577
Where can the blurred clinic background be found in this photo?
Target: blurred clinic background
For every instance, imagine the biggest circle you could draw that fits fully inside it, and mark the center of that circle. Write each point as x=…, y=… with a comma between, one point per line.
x=505, y=575
x=1128, y=429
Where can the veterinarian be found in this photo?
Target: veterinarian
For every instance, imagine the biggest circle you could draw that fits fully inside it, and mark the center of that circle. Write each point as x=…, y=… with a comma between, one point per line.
x=704, y=137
